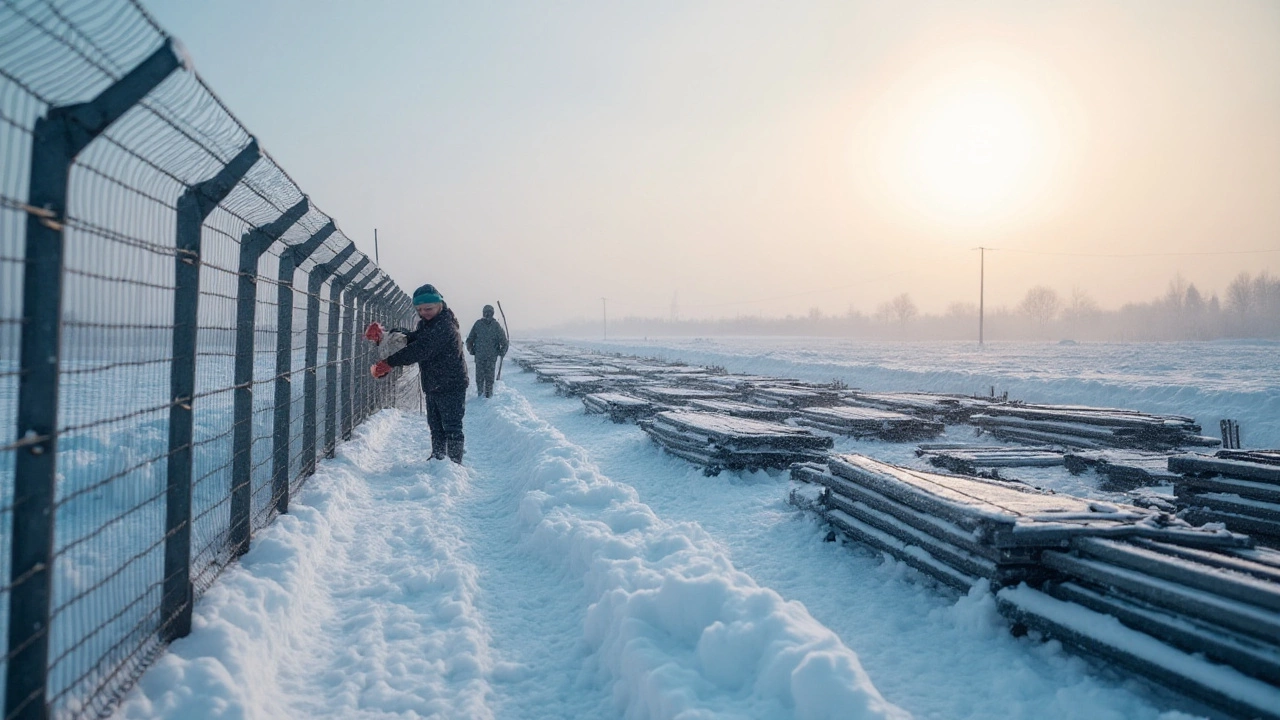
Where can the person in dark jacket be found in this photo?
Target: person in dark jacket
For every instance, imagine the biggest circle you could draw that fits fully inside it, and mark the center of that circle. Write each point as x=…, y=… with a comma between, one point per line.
x=436, y=345
x=486, y=342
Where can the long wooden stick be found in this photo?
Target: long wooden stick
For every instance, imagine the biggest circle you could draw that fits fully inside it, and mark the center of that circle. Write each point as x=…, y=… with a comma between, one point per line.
x=508, y=332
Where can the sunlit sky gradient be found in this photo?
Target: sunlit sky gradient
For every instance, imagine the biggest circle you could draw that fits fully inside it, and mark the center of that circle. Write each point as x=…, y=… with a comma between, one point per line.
x=765, y=158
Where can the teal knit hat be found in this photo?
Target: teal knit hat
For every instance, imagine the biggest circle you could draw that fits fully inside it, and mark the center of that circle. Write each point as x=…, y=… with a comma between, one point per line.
x=426, y=295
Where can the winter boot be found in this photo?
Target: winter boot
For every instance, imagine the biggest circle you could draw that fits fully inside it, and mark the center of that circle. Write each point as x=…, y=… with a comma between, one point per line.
x=455, y=452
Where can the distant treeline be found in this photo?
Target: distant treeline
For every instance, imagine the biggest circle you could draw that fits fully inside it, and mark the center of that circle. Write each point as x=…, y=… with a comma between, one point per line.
x=1249, y=309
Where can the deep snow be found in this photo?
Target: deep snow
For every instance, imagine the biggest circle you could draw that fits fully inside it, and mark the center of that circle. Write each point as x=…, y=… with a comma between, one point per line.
x=570, y=569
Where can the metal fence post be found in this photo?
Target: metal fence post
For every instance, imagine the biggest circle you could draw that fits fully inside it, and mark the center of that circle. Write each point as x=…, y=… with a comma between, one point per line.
x=367, y=382
x=193, y=207
x=331, y=367
x=317, y=277
x=252, y=245
x=355, y=293
x=57, y=139
x=373, y=399
x=357, y=368
x=289, y=261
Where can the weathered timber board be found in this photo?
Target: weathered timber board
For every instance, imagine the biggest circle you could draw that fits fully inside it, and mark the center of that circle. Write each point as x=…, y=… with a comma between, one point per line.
x=1201, y=464
x=1100, y=634
x=1246, y=654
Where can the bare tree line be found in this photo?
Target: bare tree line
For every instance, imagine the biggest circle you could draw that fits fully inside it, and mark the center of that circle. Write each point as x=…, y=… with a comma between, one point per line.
x=1250, y=308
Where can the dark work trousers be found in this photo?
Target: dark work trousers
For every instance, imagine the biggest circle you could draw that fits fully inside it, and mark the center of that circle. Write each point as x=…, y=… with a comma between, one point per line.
x=484, y=374
x=444, y=416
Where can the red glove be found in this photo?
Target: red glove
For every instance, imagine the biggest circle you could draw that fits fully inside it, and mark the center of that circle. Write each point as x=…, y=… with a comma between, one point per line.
x=380, y=370
x=374, y=333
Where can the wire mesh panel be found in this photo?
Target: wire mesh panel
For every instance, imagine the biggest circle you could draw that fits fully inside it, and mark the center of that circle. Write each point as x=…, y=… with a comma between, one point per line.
x=18, y=110
x=162, y=346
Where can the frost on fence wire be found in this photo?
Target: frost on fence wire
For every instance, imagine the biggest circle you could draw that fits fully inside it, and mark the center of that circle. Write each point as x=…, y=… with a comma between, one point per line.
x=262, y=283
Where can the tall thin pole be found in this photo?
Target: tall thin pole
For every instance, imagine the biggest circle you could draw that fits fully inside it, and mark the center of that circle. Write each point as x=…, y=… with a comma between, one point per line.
x=376, y=259
x=982, y=290
x=604, y=318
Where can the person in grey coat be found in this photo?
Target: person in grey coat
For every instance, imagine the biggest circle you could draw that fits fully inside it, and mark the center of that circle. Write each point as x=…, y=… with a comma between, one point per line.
x=486, y=342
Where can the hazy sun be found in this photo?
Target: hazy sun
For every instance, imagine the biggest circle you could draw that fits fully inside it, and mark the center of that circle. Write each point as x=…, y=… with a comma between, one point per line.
x=970, y=152
x=964, y=139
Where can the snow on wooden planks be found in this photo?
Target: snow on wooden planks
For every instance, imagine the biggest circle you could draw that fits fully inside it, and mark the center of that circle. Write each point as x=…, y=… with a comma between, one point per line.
x=1075, y=426
x=716, y=441
x=1196, y=609
x=792, y=395
x=741, y=409
x=676, y=395
x=1238, y=488
x=934, y=406
x=1204, y=621
x=969, y=459
x=869, y=422
x=1123, y=469
x=620, y=407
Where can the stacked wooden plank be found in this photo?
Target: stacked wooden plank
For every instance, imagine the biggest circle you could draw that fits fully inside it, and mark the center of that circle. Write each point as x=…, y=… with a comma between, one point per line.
x=789, y=395
x=1075, y=426
x=741, y=383
x=934, y=406
x=550, y=372
x=869, y=422
x=679, y=395
x=968, y=459
x=717, y=441
x=1123, y=469
x=962, y=529
x=741, y=409
x=579, y=384
x=1238, y=488
x=1204, y=621
x=1196, y=609
x=620, y=407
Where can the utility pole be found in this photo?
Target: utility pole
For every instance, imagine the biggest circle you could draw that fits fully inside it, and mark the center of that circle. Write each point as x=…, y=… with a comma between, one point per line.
x=604, y=318
x=982, y=290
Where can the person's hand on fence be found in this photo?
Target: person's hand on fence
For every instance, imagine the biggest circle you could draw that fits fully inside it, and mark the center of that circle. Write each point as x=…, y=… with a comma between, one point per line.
x=394, y=342
x=380, y=370
x=374, y=333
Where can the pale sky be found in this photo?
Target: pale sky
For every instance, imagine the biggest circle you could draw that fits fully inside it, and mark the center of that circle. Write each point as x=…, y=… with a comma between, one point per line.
x=766, y=158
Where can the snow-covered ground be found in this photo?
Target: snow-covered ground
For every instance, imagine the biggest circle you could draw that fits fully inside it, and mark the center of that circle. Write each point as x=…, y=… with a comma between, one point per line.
x=571, y=570
x=1209, y=381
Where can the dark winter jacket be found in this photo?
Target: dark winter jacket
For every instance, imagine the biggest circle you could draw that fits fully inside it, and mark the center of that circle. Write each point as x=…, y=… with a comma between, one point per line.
x=436, y=346
x=486, y=339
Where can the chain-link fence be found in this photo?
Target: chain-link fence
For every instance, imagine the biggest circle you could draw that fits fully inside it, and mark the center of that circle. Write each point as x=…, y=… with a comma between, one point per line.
x=178, y=346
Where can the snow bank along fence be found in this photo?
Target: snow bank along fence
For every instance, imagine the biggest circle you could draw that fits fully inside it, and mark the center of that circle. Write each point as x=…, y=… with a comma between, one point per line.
x=1141, y=583
x=177, y=326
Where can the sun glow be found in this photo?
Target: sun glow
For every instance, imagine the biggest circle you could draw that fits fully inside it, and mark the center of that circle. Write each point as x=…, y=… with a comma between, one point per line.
x=964, y=142
x=971, y=153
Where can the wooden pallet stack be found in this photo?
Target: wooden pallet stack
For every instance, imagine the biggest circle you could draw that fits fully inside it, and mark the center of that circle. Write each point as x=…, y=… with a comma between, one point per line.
x=792, y=395
x=676, y=395
x=1079, y=427
x=1196, y=609
x=620, y=407
x=1240, y=488
x=1122, y=469
x=579, y=384
x=1204, y=621
x=723, y=442
x=741, y=409
x=862, y=422
x=941, y=407
x=968, y=459
x=961, y=529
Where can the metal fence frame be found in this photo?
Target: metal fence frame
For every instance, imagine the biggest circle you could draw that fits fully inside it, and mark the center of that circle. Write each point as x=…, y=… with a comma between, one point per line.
x=104, y=143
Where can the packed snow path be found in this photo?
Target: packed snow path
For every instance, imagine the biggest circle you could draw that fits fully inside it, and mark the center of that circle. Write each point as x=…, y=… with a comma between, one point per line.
x=571, y=570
